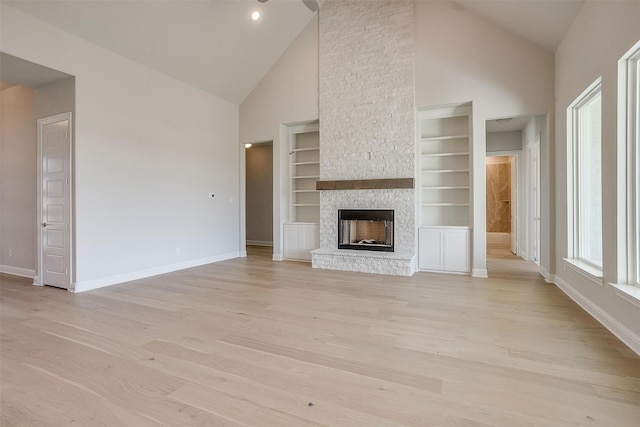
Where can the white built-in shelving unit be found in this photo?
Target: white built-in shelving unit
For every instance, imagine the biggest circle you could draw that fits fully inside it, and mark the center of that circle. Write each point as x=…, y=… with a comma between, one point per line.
x=301, y=231
x=305, y=171
x=445, y=189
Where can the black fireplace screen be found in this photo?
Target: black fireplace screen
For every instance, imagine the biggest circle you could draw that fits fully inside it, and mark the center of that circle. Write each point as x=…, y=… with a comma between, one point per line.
x=365, y=229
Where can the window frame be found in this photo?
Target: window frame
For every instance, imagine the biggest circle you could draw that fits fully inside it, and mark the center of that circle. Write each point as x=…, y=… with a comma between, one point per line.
x=575, y=260
x=629, y=167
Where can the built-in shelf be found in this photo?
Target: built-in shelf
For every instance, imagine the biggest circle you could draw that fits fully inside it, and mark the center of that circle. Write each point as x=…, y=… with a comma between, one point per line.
x=445, y=166
x=305, y=163
x=466, y=153
x=445, y=188
x=304, y=167
x=444, y=236
x=445, y=204
x=445, y=170
x=443, y=137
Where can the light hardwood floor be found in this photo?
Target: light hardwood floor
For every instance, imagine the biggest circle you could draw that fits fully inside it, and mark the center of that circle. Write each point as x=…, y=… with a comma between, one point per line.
x=251, y=342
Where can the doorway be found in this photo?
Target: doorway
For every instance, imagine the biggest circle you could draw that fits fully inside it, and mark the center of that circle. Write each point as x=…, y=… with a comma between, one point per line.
x=501, y=205
x=259, y=199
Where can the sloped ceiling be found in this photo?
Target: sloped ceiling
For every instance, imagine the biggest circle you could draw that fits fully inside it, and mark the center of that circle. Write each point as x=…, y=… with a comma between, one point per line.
x=212, y=45
x=215, y=46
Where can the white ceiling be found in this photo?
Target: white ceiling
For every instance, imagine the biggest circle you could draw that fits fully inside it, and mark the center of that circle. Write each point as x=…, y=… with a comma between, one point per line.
x=213, y=44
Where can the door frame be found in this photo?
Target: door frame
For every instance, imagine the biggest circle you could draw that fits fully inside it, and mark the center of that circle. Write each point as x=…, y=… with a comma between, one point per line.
x=515, y=204
x=533, y=219
x=38, y=279
x=243, y=192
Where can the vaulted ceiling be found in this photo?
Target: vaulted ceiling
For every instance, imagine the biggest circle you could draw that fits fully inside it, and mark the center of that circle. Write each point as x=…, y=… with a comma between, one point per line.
x=215, y=46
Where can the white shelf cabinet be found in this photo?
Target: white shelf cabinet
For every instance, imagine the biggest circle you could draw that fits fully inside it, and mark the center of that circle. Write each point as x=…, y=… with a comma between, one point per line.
x=300, y=239
x=445, y=249
x=444, y=175
x=301, y=229
x=304, y=158
x=445, y=185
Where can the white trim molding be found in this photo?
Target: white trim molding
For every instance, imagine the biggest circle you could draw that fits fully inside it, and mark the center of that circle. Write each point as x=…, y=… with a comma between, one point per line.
x=623, y=333
x=630, y=293
x=479, y=272
x=548, y=277
x=260, y=242
x=586, y=270
x=18, y=271
x=142, y=274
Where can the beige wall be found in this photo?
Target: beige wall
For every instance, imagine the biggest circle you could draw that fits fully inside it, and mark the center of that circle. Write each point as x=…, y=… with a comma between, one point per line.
x=55, y=98
x=599, y=36
x=148, y=151
x=18, y=181
x=504, y=141
x=259, y=194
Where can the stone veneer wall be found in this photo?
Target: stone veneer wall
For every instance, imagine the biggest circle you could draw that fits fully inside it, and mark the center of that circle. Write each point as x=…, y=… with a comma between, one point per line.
x=367, y=123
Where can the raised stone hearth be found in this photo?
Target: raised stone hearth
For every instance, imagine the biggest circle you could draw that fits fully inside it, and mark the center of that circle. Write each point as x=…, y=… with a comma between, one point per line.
x=393, y=263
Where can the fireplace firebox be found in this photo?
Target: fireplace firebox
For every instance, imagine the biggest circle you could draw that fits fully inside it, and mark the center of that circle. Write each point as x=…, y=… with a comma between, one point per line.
x=365, y=229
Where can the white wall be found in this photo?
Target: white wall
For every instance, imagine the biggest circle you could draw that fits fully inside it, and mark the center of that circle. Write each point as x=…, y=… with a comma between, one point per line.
x=56, y=98
x=504, y=141
x=599, y=36
x=148, y=150
x=287, y=94
x=18, y=181
x=259, y=196
x=461, y=57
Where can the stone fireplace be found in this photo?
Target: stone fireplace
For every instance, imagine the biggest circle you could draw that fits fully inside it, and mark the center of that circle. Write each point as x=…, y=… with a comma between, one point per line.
x=367, y=128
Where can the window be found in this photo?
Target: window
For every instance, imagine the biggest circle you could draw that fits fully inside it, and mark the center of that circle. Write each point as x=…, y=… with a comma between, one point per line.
x=629, y=166
x=584, y=120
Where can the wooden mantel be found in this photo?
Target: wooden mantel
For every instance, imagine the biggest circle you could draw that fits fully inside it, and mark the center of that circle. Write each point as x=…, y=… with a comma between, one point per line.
x=366, y=184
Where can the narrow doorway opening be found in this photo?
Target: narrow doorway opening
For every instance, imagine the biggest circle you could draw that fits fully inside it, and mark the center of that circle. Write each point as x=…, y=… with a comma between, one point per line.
x=513, y=162
x=501, y=205
x=259, y=199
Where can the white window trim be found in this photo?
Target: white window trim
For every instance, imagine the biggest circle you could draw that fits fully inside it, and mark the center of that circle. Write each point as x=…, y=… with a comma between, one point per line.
x=628, y=165
x=588, y=270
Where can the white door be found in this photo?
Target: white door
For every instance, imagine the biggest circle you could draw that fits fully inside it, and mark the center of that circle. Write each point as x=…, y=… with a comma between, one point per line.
x=514, y=204
x=54, y=145
x=535, y=200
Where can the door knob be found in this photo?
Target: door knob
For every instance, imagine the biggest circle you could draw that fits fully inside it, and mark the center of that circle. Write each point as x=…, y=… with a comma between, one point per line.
x=44, y=224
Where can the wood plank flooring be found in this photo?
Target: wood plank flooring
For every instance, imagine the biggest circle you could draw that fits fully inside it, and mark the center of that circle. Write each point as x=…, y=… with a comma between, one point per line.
x=252, y=342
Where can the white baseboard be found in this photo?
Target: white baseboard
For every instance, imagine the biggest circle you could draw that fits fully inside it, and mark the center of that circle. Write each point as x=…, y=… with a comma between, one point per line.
x=549, y=278
x=141, y=274
x=277, y=257
x=616, y=328
x=479, y=272
x=259, y=243
x=17, y=271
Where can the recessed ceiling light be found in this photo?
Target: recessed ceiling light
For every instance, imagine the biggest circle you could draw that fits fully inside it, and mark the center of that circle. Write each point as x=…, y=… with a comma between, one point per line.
x=247, y=145
x=255, y=15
